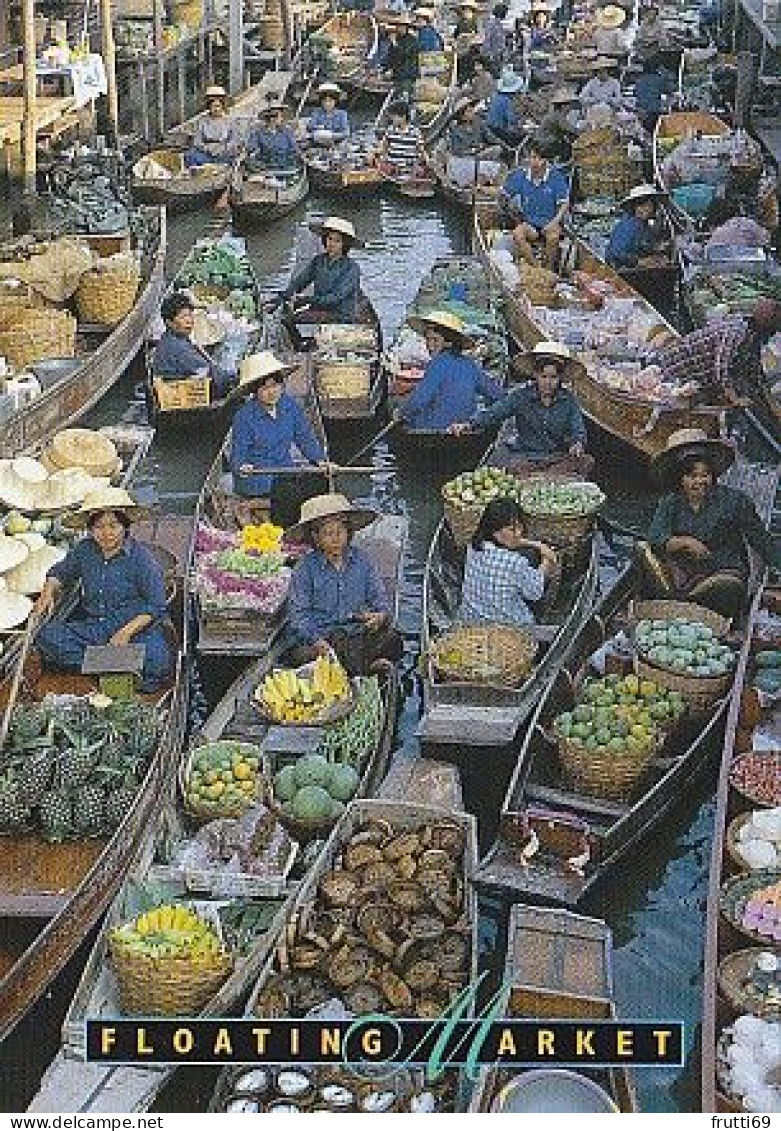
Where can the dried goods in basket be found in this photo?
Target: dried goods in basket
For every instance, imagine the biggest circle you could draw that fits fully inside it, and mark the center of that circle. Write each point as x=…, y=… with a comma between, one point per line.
x=751, y=903
x=757, y=777
x=496, y=654
x=38, y=335
x=750, y=980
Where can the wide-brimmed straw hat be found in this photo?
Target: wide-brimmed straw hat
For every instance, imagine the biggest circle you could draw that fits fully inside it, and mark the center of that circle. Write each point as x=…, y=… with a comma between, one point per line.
x=13, y=551
x=15, y=608
x=215, y=92
x=510, y=82
x=611, y=17
x=105, y=499
x=527, y=364
x=329, y=88
x=641, y=192
x=320, y=507
x=424, y=13
x=693, y=442
x=82, y=447
x=564, y=95
x=336, y=224
x=257, y=368
x=450, y=325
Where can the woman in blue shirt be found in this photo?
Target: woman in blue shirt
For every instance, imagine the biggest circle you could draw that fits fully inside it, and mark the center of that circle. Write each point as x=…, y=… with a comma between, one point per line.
x=327, y=122
x=335, y=280
x=176, y=355
x=272, y=145
x=633, y=241
x=337, y=600
x=266, y=430
x=451, y=384
x=123, y=598
x=502, y=117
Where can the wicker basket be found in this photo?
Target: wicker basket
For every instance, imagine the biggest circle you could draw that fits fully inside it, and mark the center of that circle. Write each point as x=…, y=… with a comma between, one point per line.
x=167, y=987
x=16, y=296
x=463, y=519
x=679, y=610
x=560, y=532
x=202, y=814
x=602, y=772
x=732, y=975
x=736, y=891
x=107, y=294
x=38, y=335
x=493, y=654
x=190, y=392
x=338, y=381
x=700, y=691
x=732, y=842
x=769, y=762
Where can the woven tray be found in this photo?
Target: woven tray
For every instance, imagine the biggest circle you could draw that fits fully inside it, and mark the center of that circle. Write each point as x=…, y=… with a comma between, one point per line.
x=770, y=764
x=679, y=610
x=605, y=773
x=701, y=691
x=732, y=975
x=492, y=654
x=733, y=897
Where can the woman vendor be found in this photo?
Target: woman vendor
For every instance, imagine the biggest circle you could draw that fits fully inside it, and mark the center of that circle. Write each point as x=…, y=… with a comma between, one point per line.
x=123, y=598
x=216, y=140
x=176, y=355
x=634, y=241
x=266, y=430
x=548, y=421
x=272, y=144
x=451, y=383
x=603, y=88
x=336, y=598
x=504, y=571
x=698, y=538
x=327, y=123
x=334, y=277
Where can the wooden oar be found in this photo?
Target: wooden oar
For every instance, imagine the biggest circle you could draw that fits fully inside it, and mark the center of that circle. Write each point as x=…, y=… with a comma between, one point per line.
x=16, y=683
x=383, y=432
x=309, y=469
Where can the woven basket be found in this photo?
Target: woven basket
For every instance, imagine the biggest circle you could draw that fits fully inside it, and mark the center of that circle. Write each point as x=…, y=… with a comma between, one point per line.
x=679, y=610
x=201, y=814
x=38, y=335
x=107, y=295
x=736, y=891
x=493, y=654
x=190, y=392
x=732, y=975
x=167, y=987
x=463, y=519
x=561, y=533
x=767, y=761
x=700, y=691
x=16, y=296
x=605, y=773
x=732, y=842
x=82, y=447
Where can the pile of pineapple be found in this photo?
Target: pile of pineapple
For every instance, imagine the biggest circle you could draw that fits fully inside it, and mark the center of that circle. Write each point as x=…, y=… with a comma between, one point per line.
x=72, y=767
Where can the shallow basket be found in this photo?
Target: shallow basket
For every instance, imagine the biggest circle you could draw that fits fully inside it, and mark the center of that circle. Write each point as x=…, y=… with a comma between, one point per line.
x=107, y=295
x=679, y=610
x=340, y=709
x=190, y=392
x=463, y=519
x=732, y=974
x=493, y=654
x=38, y=335
x=734, y=894
x=732, y=842
x=769, y=762
x=700, y=691
x=605, y=773
x=167, y=987
x=202, y=814
x=561, y=532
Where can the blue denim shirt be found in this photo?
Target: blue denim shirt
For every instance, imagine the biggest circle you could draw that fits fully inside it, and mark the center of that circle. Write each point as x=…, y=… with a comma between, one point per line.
x=321, y=597
x=114, y=590
x=267, y=441
x=501, y=114
x=537, y=201
x=447, y=393
x=178, y=356
x=631, y=237
x=429, y=39
x=337, y=122
x=276, y=149
x=541, y=431
x=336, y=285
x=650, y=87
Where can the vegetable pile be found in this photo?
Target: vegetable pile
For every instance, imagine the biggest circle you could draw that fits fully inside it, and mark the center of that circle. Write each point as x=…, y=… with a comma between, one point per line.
x=478, y=488
x=217, y=264
x=767, y=677
x=620, y=713
x=543, y=499
x=223, y=779
x=683, y=646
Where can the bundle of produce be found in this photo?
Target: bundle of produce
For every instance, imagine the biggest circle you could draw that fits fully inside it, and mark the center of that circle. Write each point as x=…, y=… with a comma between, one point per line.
x=495, y=654
x=561, y=513
x=315, y=694
x=312, y=792
x=466, y=497
x=168, y=962
x=613, y=731
x=74, y=766
x=754, y=839
x=748, y=1063
x=209, y=538
x=222, y=779
x=757, y=777
x=751, y=902
x=230, y=579
x=222, y=264
x=767, y=671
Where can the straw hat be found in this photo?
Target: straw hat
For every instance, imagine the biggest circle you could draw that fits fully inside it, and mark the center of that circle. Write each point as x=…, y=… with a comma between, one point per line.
x=20, y=482
x=29, y=577
x=328, y=506
x=527, y=364
x=26, y=485
x=424, y=13
x=336, y=224
x=105, y=499
x=329, y=88
x=442, y=320
x=641, y=192
x=215, y=92
x=15, y=608
x=542, y=6
x=602, y=63
x=509, y=81
x=13, y=551
x=82, y=447
x=693, y=442
x=257, y=367
x=564, y=95
x=611, y=17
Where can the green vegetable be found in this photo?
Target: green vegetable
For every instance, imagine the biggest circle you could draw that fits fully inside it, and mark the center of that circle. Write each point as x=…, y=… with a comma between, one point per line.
x=313, y=769
x=312, y=803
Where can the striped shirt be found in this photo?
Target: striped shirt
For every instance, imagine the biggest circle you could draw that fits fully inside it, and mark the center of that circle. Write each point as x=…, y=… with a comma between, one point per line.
x=497, y=585
x=402, y=147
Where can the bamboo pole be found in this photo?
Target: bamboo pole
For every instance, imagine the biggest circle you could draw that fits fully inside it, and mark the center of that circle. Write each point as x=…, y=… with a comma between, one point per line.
x=29, y=130
x=158, y=11
x=110, y=61
x=235, y=47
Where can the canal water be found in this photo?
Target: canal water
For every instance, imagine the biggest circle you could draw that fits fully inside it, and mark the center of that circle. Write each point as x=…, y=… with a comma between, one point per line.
x=655, y=904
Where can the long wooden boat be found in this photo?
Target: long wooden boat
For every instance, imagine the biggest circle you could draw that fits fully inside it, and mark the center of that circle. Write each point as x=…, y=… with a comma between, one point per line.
x=346, y=169
x=71, y=388
x=733, y=984
x=338, y=49
x=639, y=423
x=240, y=632
x=431, y=117
x=451, y=955
x=261, y=198
x=582, y=838
x=558, y=965
x=52, y=894
x=188, y=401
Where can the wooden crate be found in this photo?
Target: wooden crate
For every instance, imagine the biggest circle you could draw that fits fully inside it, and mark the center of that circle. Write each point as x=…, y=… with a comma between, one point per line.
x=190, y=392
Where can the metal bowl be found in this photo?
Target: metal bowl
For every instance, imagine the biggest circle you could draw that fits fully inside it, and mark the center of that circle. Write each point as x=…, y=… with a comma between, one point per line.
x=546, y=1090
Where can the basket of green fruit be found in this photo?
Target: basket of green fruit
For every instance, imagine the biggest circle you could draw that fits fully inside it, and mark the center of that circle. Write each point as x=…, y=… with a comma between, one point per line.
x=559, y=513
x=684, y=651
x=466, y=497
x=222, y=779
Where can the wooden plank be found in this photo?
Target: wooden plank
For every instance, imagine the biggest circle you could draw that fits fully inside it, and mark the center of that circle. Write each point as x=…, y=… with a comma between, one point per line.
x=37, y=878
x=562, y=799
x=424, y=781
x=74, y=1086
x=460, y=724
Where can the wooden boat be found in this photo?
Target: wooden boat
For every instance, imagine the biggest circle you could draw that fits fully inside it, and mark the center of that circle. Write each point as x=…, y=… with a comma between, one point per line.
x=640, y=424
x=731, y=951
x=582, y=837
x=558, y=965
x=240, y=632
x=261, y=198
x=187, y=402
x=338, y=49
x=467, y=198
x=430, y=117
x=132, y=443
x=71, y=388
x=52, y=894
x=423, y=821
x=345, y=169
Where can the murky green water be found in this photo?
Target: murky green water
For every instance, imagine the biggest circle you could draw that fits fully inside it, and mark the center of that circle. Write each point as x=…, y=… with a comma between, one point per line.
x=655, y=904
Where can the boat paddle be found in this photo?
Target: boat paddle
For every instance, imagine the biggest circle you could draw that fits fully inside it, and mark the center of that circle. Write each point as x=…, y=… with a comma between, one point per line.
x=383, y=432
x=16, y=683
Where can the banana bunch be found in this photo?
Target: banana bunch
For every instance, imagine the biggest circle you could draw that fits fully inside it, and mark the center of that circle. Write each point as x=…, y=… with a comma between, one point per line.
x=289, y=697
x=169, y=931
